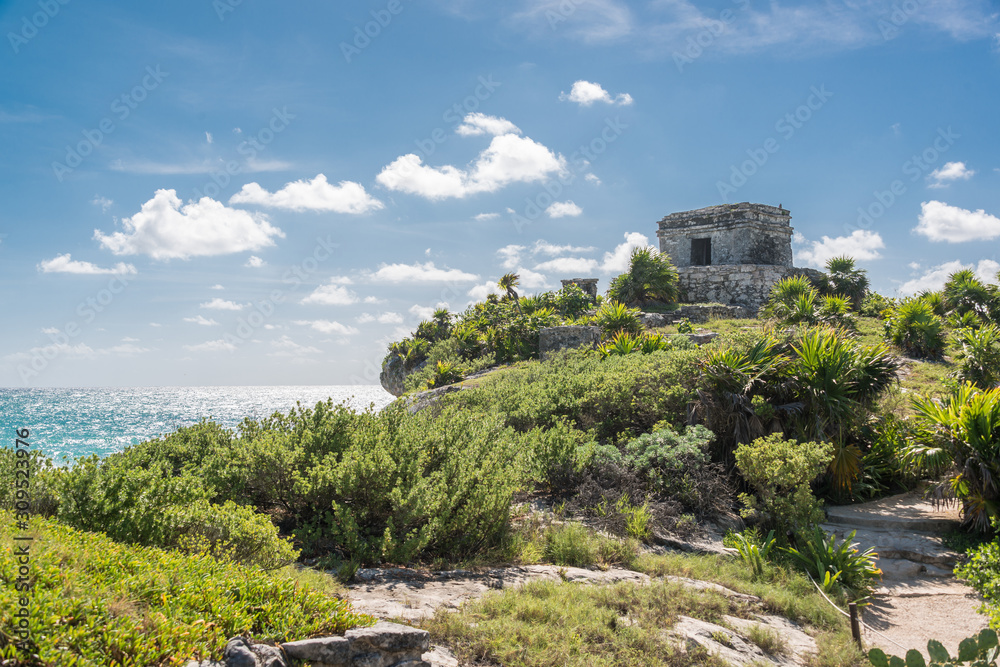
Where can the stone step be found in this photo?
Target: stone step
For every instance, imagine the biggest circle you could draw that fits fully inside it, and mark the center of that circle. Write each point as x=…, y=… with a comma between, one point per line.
x=917, y=547
x=903, y=512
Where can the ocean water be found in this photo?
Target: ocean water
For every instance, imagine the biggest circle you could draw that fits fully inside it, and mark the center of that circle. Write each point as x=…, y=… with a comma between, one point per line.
x=70, y=422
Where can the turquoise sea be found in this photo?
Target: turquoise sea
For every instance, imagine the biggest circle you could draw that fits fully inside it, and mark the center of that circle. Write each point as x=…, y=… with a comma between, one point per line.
x=70, y=422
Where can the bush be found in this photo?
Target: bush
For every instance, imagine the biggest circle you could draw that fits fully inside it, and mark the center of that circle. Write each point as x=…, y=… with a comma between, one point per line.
x=914, y=328
x=780, y=471
x=650, y=280
x=36, y=469
x=96, y=602
x=791, y=297
x=979, y=356
x=623, y=343
x=982, y=572
x=979, y=651
x=837, y=566
x=876, y=305
x=963, y=430
x=614, y=317
x=843, y=279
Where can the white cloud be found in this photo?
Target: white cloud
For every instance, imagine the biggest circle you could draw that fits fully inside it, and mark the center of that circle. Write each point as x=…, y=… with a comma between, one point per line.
x=124, y=350
x=373, y=299
x=510, y=255
x=586, y=93
x=530, y=279
x=328, y=327
x=221, y=304
x=951, y=171
x=288, y=348
x=103, y=202
x=480, y=292
x=617, y=260
x=562, y=209
x=202, y=320
x=934, y=278
x=390, y=318
x=592, y=21
x=314, y=195
x=508, y=159
x=63, y=350
x=66, y=264
x=426, y=312
x=422, y=273
x=476, y=124
x=208, y=137
x=129, y=339
x=164, y=229
x=592, y=178
x=254, y=262
x=483, y=217
x=862, y=245
x=543, y=247
x=332, y=294
x=220, y=345
x=940, y=222
x=364, y=318
x=155, y=324
x=217, y=287
x=565, y=265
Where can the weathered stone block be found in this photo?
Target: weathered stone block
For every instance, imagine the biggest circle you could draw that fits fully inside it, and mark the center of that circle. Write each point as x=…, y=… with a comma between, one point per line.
x=552, y=339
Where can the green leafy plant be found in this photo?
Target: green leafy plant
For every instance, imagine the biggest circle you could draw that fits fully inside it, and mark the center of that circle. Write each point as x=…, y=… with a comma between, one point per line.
x=876, y=305
x=753, y=549
x=979, y=356
x=979, y=651
x=445, y=373
x=963, y=429
x=623, y=343
x=916, y=329
x=684, y=326
x=982, y=571
x=844, y=279
x=779, y=471
x=650, y=279
x=840, y=563
x=614, y=317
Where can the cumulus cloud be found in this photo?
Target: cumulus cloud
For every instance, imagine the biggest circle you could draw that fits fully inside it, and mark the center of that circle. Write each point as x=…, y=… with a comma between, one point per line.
x=480, y=292
x=562, y=209
x=220, y=345
x=381, y=318
x=574, y=265
x=421, y=273
x=332, y=294
x=66, y=264
x=483, y=217
x=221, y=304
x=940, y=222
x=951, y=171
x=614, y=261
x=254, y=262
x=426, y=312
x=216, y=287
x=477, y=124
x=314, y=195
x=586, y=93
x=103, y=202
x=164, y=229
x=862, y=245
x=934, y=278
x=508, y=159
x=328, y=327
x=543, y=247
x=617, y=260
x=288, y=348
x=202, y=320
x=510, y=255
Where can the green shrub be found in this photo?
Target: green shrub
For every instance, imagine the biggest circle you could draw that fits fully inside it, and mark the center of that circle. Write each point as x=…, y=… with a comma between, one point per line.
x=843, y=279
x=571, y=544
x=791, y=299
x=978, y=651
x=779, y=471
x=979, y=356
x=963, y=430
x=623, y=343
x=41, y=481
x=754, y=549
x=614, y=317
x=837, y=565
x=667, y=461
x=914, y=328
x=571, y=301
x=876, y=305
x=982, y=572
x=96, y=602
x=229, y=532
x=650, y=280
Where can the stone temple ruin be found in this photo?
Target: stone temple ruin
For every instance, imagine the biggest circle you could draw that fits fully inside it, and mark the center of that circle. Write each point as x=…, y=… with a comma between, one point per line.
x=730, y=254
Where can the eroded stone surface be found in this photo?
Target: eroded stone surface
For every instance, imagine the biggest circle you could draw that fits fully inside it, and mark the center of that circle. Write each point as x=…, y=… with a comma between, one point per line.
x=729, y=644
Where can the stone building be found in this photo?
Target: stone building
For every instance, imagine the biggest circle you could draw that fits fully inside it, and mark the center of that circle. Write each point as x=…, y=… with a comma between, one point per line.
x=730, y=254
x=588, y=285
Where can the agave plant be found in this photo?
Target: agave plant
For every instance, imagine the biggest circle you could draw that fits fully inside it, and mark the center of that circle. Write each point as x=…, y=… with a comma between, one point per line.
x=825, y=559
x=844, y=279
x=650, y=279
x=792, y=299
x=621, y=344
x=963, y=430
x=836, y=311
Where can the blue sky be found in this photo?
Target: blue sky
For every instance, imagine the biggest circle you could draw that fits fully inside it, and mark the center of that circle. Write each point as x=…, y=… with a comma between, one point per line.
x=238, y=192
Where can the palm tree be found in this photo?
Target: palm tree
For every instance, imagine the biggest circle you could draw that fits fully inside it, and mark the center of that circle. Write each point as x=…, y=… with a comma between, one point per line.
x=651, y=278
x=508, y=282
x=844, y=279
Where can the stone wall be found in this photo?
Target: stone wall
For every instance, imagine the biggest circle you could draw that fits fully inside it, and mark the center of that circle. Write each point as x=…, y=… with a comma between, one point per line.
x=742, y=233
x=552, y=339
x=695, y=313
x=588, y=285
x=746, y=285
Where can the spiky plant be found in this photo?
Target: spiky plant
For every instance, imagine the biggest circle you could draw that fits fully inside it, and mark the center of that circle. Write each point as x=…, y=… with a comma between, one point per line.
x=650, y=279
x=916, y=329
x=979, y=356
x=844, y=279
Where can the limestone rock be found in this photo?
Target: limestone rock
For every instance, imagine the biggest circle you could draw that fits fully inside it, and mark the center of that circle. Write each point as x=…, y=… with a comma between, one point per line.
x=552, y=339
x=241, y=652
x=394, y=373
